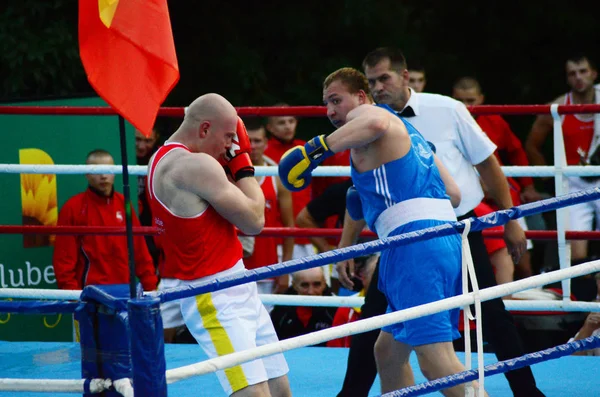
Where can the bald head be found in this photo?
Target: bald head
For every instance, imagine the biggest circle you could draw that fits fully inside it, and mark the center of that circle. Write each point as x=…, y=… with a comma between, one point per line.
x=309, y=282
x=208, y=108
x=208, y=126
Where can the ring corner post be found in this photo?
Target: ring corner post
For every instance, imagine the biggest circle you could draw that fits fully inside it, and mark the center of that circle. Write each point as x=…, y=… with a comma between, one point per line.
x=147, y=347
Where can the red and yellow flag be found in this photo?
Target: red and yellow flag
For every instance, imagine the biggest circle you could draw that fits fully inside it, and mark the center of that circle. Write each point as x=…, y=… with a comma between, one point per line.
x=127, y=51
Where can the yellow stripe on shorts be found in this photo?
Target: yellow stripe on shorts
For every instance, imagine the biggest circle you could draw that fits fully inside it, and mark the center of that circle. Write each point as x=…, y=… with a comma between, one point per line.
x=218, y=334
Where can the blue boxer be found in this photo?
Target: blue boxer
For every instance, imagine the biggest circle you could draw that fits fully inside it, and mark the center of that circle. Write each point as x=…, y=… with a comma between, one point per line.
x=406, y=195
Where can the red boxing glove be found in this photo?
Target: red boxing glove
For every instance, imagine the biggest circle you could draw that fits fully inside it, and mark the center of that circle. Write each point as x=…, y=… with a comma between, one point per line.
x=238, y=163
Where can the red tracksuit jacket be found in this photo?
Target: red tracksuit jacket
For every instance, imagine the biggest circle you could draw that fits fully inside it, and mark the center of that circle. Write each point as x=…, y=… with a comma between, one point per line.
x=98, y=259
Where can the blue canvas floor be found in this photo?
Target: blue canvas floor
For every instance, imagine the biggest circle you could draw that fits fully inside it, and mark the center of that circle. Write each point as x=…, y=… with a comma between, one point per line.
x=314, y=372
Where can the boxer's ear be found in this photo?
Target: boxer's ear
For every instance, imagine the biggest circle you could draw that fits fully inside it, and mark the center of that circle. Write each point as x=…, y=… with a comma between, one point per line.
x=203, y=130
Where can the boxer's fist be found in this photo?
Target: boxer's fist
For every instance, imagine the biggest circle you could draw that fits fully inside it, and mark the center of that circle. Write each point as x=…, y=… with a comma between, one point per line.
x=241, y=142
x=237, y=158
x=297, y=164
x=353, y=204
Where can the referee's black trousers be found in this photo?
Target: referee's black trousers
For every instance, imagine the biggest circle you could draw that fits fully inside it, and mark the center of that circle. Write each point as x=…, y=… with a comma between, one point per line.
x=499, y=331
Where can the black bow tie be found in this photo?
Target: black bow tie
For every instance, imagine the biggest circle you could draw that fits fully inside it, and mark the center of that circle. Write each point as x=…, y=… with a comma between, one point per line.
x=407, y=112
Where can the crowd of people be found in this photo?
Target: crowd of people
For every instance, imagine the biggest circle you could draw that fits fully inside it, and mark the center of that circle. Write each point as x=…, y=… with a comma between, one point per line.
x=418, y=159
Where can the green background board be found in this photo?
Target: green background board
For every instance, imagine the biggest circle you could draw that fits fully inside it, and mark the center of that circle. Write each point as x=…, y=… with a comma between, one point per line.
x=67, y=139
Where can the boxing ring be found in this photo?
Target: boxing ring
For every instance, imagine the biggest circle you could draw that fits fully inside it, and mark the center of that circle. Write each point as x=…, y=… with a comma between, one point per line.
x=33, y=368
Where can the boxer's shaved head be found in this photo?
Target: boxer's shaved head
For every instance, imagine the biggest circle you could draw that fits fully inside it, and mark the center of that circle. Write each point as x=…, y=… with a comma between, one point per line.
x=211, y=108
x=209, y=125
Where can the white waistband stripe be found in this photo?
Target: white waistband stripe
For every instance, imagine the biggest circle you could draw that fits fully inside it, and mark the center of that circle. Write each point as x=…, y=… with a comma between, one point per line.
x=417, y=209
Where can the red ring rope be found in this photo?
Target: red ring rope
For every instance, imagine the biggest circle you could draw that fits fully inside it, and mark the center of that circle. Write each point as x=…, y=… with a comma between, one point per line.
x=305, y=111
x=267, y=232
x=75, y=230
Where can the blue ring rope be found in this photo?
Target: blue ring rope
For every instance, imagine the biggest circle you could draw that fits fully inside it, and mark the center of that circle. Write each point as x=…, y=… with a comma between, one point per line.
x=498, y=368
x=38, y=307
x=337, y=255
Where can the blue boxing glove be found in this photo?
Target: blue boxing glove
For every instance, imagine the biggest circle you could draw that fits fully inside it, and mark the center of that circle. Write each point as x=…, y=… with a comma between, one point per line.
x=353, y=204
x=296, y=165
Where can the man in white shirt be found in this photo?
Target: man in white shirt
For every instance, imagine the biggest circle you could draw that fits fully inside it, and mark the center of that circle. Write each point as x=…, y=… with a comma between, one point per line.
x=465, y=151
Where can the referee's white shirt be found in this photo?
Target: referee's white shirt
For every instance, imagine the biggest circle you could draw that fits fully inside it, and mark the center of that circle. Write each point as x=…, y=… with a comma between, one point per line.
x=460, y=143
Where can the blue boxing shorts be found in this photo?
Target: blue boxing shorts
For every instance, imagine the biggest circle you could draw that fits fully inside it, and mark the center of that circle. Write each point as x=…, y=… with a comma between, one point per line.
x=419, y=273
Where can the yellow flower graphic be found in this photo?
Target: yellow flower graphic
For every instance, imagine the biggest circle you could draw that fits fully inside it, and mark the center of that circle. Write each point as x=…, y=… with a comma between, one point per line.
x=38, y=197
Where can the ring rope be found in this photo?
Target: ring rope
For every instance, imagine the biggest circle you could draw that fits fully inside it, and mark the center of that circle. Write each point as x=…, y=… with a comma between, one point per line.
x=336, y=255
x=303, y=111
x=468, y=273
x=56, y=385
x=36, y=307
x=320, y=301
x=76, y=230
x=359, y=326
x=320, y=171
x=269, y=232
x=499, y=367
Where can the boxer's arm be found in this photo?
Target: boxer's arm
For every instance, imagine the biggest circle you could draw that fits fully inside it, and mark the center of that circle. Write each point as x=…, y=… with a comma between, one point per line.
x=498, y=189
x=364, y=125
x=242, y=203
x=350, y=234
x=452, y=189
x=541, y=128
x=286, y=211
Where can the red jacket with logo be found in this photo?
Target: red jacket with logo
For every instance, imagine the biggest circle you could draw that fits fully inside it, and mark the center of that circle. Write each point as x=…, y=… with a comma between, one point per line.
x=81, y=260
x=509, y=148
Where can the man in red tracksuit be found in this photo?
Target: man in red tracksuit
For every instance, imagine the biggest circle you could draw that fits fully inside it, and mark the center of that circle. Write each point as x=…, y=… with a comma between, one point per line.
x=510, y=151
x=98, y=259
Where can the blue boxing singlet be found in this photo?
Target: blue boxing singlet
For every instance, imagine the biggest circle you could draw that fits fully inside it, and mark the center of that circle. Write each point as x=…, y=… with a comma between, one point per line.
x=404, y=190
x=405, y=195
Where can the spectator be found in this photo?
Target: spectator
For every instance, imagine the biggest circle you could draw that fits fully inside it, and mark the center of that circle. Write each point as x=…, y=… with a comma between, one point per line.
x=509, y=151
x=416, y=77
x=98, y=259
x=291, y=321
x=591, y=326
x=278, y=212
x=145, y=146
x=283, y=138
x=365, y=267
x=581, y=134
x=144, y=149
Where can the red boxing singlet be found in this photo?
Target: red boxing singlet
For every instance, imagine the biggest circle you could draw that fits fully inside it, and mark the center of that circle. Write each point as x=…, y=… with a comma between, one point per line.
x=265, y=248
x=193, y=247
x=577, y=134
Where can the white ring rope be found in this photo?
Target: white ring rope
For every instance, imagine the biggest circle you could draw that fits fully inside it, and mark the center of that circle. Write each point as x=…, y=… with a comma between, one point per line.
x=54, y=385
x=468, y=272
x=76, y=169
x=561, y=186
x=318, y=301
x=227, y=361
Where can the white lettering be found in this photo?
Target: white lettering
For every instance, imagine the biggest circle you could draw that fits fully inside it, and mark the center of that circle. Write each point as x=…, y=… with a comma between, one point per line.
x=49, y=275
x=33, y=269
x=2, y=283
x=12, y=279
x=29, y=275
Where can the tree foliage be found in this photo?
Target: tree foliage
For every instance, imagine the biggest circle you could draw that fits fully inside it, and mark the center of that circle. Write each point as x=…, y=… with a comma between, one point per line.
x=39, y=56
x=263, y=52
